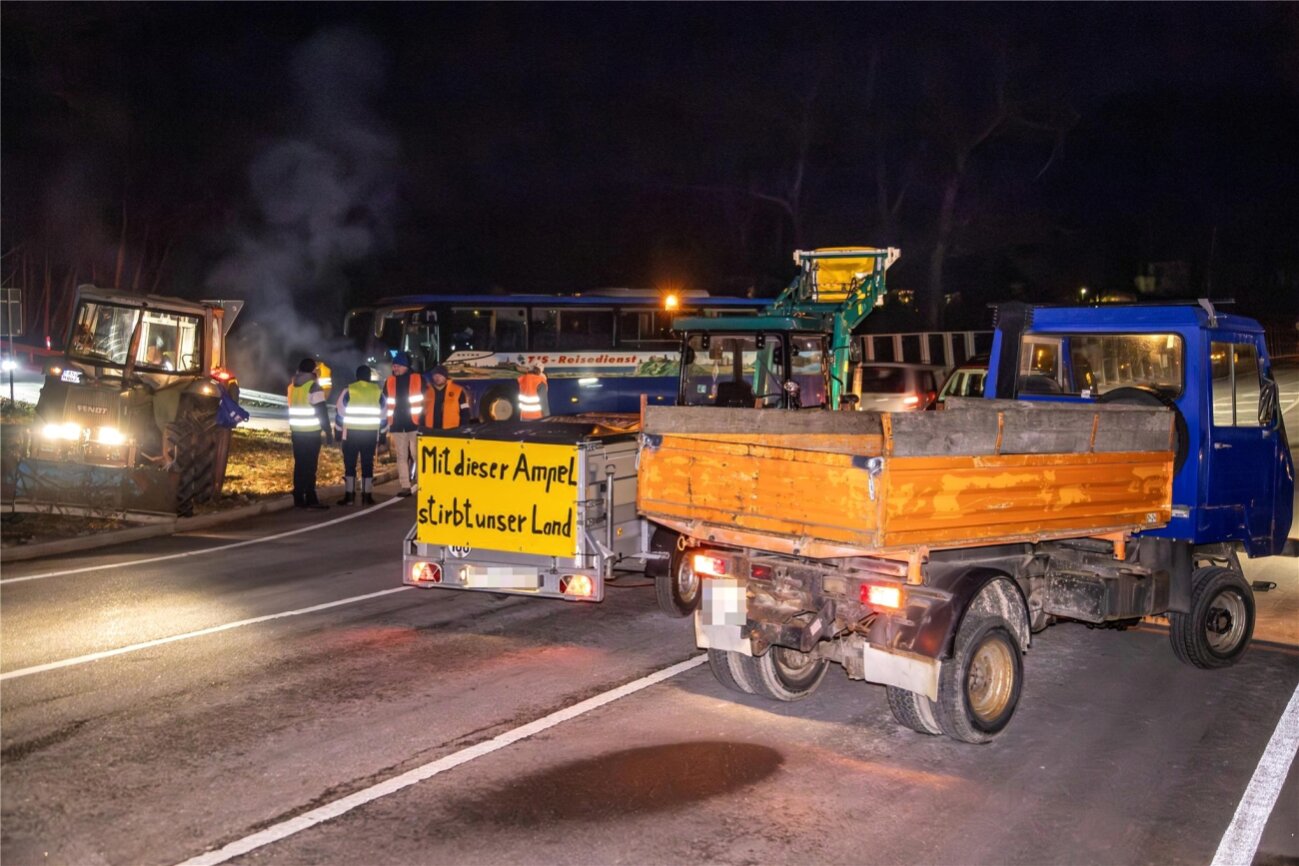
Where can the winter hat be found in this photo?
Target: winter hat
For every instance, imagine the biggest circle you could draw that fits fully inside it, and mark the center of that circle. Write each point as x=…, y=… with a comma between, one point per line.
x=440, y=370
x=401, y=359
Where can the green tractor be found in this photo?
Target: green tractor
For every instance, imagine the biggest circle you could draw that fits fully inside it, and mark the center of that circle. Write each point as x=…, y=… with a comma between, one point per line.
x=127, y=420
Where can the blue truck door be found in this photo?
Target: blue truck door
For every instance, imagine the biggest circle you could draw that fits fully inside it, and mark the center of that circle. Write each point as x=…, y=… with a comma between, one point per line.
x=1242, y=462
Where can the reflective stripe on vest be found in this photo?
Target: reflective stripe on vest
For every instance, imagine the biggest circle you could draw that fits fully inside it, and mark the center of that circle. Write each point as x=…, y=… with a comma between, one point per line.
x=416, y=396
x=362, y=410
x=529, y=398
x=302, y=415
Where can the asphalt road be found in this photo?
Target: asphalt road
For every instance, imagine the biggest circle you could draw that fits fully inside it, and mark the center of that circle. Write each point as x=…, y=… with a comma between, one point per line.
x=1118, y=753
x=171, y=697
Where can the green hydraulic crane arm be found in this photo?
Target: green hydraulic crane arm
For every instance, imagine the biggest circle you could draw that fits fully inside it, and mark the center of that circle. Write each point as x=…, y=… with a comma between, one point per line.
x=841, y=285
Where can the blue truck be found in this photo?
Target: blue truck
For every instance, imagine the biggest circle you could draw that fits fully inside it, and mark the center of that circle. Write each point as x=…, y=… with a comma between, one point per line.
x=1147, y=441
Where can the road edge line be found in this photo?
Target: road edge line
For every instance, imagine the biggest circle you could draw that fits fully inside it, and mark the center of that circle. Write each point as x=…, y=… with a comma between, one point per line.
x=329, y=811
x=1240, y=842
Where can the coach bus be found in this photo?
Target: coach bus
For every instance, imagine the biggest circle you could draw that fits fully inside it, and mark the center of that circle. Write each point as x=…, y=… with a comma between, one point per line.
x=601, y=350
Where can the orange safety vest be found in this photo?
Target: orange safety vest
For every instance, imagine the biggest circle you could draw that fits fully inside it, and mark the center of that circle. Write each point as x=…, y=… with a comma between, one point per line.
x=450, y=405
x=415, y=390
x=530, y=396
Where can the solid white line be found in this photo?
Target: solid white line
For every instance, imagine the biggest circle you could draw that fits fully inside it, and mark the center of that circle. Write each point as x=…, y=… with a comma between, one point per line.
x=135, y=647
x=1240, y=842
x=369, y=509
x=332, y=810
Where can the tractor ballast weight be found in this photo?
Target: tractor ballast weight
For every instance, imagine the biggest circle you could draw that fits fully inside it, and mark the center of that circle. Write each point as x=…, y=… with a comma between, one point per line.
x=127, y=420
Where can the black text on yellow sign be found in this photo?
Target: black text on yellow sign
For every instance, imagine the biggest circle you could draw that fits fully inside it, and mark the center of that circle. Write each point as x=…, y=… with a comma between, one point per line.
x=510, y=496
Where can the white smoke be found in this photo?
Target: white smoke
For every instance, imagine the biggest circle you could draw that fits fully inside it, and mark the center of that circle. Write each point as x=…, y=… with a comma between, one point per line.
x=324, y=198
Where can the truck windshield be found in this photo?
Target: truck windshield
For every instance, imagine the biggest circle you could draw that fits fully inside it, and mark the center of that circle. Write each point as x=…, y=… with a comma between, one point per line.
x=731, y=371
x=1092, y=364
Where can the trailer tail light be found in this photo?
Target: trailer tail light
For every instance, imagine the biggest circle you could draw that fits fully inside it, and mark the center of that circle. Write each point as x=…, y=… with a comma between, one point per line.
x=877, y=595
x=426, y=572
x=576, y=584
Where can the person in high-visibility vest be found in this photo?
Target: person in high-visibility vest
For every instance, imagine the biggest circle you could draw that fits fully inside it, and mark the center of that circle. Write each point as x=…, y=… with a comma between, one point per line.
x=403, y=407
x=446, y=404
x=308, y=418
x=533, y=399
x=359, y=414
x=325, y=377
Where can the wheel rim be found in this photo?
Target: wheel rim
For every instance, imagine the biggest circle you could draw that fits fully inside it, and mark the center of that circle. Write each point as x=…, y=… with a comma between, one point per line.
x=687, y=583
x=990, y=679
x=794, y=668
x=1224, y=622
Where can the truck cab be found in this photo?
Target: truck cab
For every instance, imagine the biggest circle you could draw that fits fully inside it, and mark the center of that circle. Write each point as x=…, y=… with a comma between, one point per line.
x=1234, y=481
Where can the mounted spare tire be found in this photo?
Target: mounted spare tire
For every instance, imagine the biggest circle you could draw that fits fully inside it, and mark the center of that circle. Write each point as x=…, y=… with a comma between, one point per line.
x=1133, y=395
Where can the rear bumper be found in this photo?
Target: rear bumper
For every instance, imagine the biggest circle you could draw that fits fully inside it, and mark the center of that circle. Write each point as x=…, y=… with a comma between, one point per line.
x=536, y=577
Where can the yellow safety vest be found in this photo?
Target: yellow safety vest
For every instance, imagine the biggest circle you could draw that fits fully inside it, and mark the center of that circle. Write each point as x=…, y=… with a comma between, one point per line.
x=302, y=413
x=362, y=411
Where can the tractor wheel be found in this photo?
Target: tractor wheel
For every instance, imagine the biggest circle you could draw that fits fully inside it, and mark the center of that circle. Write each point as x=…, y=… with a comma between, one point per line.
x=189, y=449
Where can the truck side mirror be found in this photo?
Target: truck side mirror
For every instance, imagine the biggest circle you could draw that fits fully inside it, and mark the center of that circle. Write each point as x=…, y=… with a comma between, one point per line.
x=1267, y=403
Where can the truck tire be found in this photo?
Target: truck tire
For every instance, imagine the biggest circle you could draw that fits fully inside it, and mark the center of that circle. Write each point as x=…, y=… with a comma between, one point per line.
x=914, y=711
x=783, y=674
x=724, y=668
x=679, y=588
x=979, y=686
x=1135, y=396
x=1216, y=631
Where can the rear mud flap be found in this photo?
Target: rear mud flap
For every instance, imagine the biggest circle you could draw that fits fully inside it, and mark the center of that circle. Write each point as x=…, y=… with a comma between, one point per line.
x=92, y=489
x=914, y=673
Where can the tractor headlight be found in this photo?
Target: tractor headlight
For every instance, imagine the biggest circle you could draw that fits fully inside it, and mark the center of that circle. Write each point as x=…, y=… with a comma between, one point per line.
x=71, y=431
x=110, y=436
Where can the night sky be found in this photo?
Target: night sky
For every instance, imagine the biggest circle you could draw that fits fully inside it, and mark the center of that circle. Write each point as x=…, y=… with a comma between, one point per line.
x=313, y=156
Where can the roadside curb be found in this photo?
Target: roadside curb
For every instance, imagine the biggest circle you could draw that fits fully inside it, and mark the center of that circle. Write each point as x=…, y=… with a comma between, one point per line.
x=169, y=527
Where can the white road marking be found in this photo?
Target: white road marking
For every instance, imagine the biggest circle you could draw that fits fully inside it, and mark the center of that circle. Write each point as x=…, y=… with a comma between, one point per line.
x=369, y=509
x=135, y=647
x=329, y=811
x=1240, y=842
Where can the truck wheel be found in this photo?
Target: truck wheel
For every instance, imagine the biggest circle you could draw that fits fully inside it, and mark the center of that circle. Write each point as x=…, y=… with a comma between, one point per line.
x=679, y=588
x=784, y=674
x=1217, y=630
x=913, y=710
x=725, y=669
x=979, y=686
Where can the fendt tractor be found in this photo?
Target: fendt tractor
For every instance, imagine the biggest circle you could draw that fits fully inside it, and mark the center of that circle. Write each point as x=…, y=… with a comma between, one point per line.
x=1119, y=460
x=127, y=420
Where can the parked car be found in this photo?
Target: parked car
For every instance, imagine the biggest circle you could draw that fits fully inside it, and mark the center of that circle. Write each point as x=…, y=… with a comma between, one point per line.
x=966, y=381
x=897, y=387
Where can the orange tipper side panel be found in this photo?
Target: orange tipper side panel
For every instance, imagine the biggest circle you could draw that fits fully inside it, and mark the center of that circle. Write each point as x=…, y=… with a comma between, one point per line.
x=782, y=491
x=944, y=501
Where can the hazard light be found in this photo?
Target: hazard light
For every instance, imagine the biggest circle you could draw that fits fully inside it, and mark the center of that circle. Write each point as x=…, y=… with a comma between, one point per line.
x=713, y=566
x=576, y=584
x=882, y=596
x=426, y=572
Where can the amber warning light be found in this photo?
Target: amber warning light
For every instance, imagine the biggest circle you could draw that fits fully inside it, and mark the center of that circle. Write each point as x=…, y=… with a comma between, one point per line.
x=426, y=572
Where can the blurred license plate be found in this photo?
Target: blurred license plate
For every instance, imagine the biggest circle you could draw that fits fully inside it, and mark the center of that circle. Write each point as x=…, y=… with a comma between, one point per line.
x=501, y=577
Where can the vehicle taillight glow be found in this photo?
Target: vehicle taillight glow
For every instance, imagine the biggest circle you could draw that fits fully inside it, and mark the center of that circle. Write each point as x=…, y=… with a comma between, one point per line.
x=576, y=584
x=714, y=566
x=426, y=572
x=882, y=596
x=911, y=400
x=221, y=375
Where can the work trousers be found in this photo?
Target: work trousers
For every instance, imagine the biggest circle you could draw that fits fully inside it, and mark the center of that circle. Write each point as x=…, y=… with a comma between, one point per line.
x=405, y=446
x=359, y=446
x=306, y=454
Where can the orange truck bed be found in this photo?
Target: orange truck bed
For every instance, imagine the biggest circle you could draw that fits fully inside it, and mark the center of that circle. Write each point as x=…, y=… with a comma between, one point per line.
x=823, y=484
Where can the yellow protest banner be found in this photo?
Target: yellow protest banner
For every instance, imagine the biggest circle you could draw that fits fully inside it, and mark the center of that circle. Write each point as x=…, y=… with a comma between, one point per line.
x=512, y=496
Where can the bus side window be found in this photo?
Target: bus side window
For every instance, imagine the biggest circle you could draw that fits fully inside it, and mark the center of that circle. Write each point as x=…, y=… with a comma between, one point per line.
x=587, y=329
x=511, y=330
x=544, y=329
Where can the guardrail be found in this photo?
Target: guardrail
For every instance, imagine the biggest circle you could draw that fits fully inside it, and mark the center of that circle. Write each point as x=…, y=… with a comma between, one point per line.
x=248, y=395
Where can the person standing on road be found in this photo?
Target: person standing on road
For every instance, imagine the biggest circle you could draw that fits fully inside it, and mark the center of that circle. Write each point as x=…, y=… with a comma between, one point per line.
x=534, y=401
x=403, y=404
x=446, y=404
x=360, y=415
x=308, y=418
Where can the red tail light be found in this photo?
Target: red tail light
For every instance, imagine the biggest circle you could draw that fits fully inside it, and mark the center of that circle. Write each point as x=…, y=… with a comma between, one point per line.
x=713, y=566
x=576, y=584
x=882, y=596
x=426, y=572
x=911, y=400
